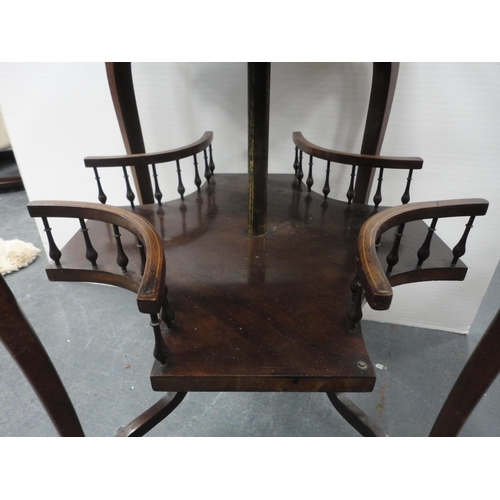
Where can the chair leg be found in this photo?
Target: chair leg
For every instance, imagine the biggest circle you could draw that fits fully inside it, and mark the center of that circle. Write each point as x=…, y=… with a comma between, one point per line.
x=152, y=416
x=355, y=416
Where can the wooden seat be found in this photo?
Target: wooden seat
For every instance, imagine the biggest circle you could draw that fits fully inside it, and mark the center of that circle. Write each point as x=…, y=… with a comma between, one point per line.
x=279, y=312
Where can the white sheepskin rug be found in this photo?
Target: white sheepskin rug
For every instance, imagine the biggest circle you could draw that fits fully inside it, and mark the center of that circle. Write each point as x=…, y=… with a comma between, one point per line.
x=15, y=254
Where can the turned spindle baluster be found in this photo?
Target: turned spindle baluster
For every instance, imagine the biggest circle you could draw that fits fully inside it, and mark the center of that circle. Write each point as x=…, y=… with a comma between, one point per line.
x=310, y=181
x=355, y=313
x=180, y=186
x=90, y=254
x=406, y=195
x=326, y=187
x=350, y=191
x=161, y=351
x=158, y=193
x=393, y=256
x=211, y=164
x=425, y=250
x=101, y=196
x=296, y=160
x=121, y=257
x=142, y=253
x=300, y=172
x=459, y=249
x=167, y=313
x=130, y=193
x=208, y=174
x=54, y=252
x=197, y=179
x=378, y=194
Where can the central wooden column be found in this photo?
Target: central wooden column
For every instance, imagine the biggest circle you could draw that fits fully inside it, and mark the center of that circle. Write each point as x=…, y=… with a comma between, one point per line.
x=259, y=78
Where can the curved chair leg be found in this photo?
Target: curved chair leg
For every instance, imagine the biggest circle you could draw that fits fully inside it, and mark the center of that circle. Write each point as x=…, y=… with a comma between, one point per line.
x=25, y=347
x=355, y=416
x=385, y=76
x=121, y=86
x=152, y=416
x=479, y=372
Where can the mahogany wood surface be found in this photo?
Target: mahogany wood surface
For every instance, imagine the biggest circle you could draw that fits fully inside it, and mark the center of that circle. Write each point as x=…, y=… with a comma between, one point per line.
x=145, y=159
x=272, y=313
x=259, y=84
x=360, y=160
x=385, y=77
x=150, y=287
x=376, y=284
x=121, y=86
x=262, y=314
x=481, y=369
x=24, y=345
x=383, y=87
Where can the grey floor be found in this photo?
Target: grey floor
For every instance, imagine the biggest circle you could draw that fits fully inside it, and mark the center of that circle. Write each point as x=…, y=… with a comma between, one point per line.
x=102, y=347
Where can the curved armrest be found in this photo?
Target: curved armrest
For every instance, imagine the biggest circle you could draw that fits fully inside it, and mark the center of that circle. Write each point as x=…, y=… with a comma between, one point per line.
x=151, y=290
x=363, y=161
x=378, y=291
x=151, y=158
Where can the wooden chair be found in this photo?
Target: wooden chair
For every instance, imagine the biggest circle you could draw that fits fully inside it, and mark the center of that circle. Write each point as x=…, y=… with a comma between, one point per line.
x=144, y=275
x=278, y=312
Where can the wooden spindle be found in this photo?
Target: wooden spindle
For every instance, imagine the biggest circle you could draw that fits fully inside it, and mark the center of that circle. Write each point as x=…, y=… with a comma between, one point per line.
x=296, y=160
x=180, y=186
x=355, y=313
x=142, y=253
x=459, y=249
x=197, y=179
x=101, y=196
x=130, y=193
x=158, y=193
x=121, y=257
x=406, y=195
x=326, y=187
x=54, y=252
x=350, y=191
x=378, y=194
x=161, y=351
x=393, y=257
x=167, y=313
x=211, y=164
x=90, y=253
x=425, y=250
x=300, y=172
x=310, y=181
x=208, y=173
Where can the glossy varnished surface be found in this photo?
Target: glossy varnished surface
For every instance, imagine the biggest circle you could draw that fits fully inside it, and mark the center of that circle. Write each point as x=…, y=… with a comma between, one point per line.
x=263, y=313
x=260, y=314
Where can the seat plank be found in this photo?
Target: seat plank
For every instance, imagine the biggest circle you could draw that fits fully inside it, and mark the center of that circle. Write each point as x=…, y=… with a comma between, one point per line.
x=258, y=314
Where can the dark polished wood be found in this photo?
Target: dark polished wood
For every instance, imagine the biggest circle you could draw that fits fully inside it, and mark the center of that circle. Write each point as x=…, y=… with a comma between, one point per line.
x=121, y=86
x=265, y=314
x=385, y=76
x=280, y=312
x=145, y=159
x=24, y=345
x=481, y=369
x=376, y=284
x=360, y=160
x=149, y=287
x=259, y=81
